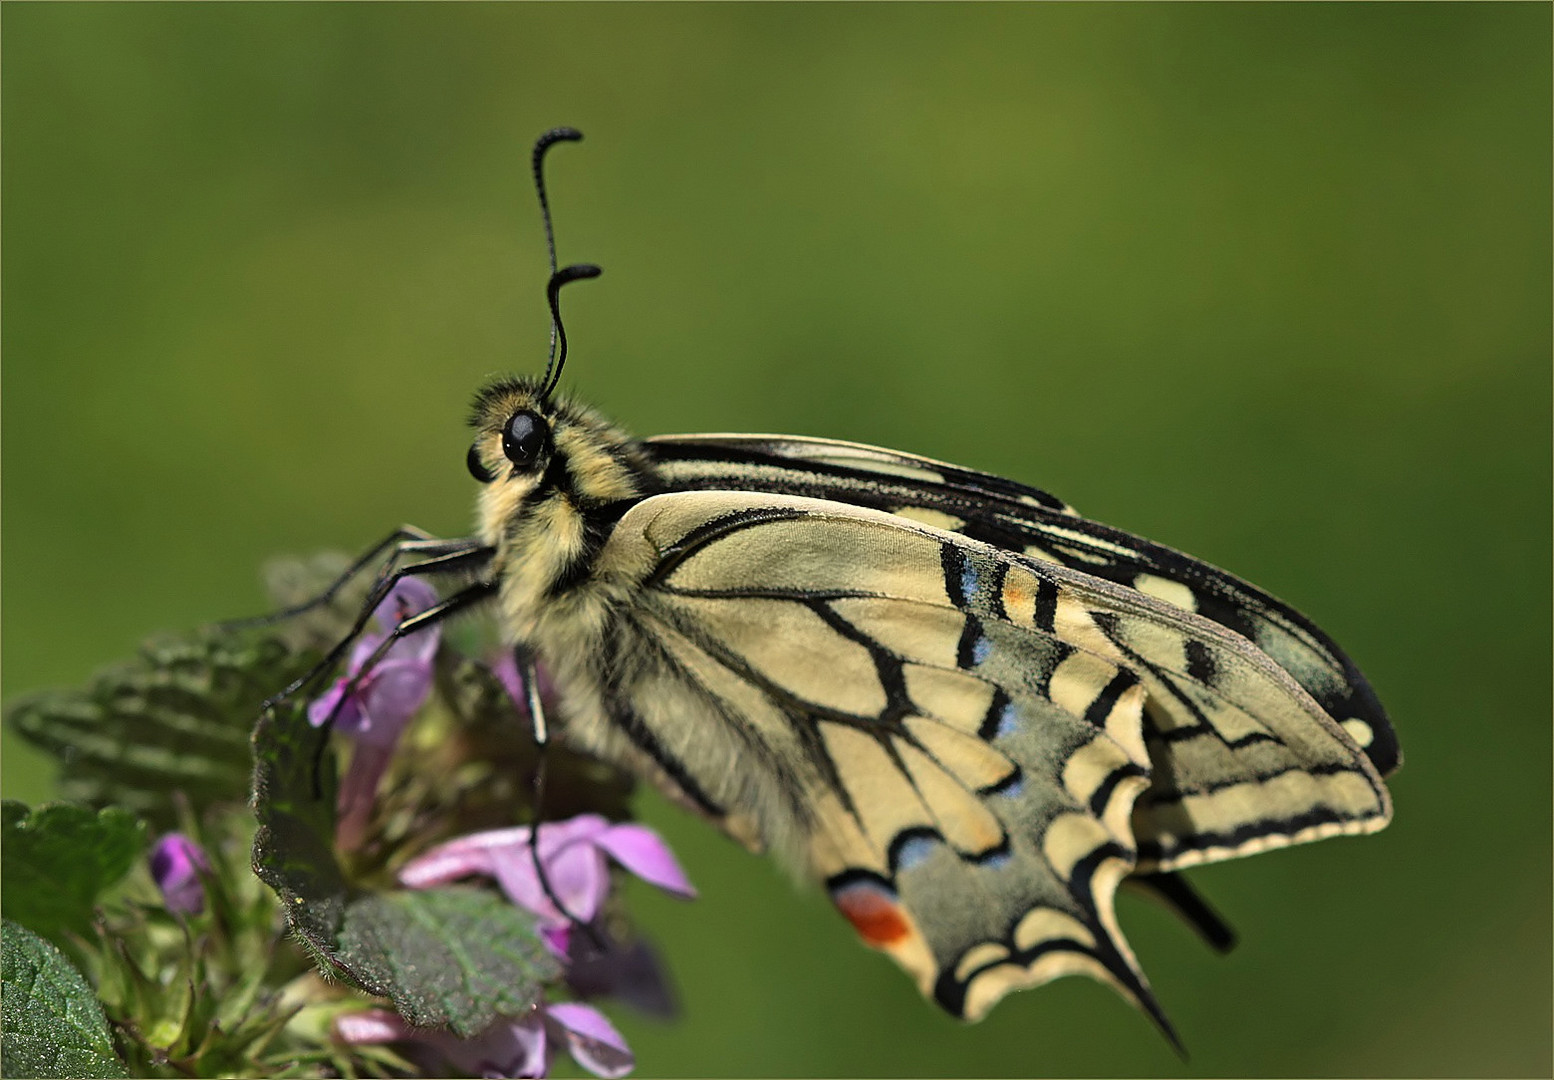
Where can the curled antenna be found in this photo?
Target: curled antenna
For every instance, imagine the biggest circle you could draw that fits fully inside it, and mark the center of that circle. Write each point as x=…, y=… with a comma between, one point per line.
x=575, y=272
x=558, y=334
x=542, y=144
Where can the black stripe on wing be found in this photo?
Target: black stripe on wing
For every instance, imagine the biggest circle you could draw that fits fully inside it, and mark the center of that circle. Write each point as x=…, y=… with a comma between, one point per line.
x=790, y=466
x=1018, y=518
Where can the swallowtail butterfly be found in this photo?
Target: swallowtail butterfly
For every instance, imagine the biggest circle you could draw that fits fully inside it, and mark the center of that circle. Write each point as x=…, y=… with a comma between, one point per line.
x=967, y=711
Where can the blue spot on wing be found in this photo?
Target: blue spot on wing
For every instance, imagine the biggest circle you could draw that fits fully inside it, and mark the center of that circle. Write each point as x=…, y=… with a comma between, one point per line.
x=912, y=848
x=980, y=649
x=968, y=581
x=1008, y=720
x=993, y=860
x=1010, y=787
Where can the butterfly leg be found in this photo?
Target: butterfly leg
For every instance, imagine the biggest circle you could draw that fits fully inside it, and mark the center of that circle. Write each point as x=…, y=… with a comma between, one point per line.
x=405, y=540
x=459, y=559
x=541, y=730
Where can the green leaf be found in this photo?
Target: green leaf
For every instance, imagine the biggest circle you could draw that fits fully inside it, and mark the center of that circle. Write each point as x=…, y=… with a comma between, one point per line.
x=59, y=859
x=294, y=844
x=176, y=718
x=53, y=1026
x=456, y=957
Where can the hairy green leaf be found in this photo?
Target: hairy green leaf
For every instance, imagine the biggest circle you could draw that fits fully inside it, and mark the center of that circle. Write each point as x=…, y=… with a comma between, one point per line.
x=175, y=718
x=60, y=858
x=294, y=797
x=53, y=1025
x=453, y=957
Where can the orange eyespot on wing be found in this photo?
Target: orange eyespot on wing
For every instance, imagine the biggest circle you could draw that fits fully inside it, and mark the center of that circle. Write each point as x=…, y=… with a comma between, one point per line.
x=874, y=911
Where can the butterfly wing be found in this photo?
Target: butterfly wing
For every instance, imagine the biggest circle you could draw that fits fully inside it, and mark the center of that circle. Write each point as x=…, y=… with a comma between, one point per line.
x=1035, y=523
x=949, y=735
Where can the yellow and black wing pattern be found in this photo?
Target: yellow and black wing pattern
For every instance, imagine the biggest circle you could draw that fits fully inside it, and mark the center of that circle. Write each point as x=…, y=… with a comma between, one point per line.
x=956, y=736
x=1192, y=751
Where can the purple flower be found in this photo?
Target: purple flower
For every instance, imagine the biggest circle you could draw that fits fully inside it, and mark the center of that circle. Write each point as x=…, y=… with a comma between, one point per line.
x=523, y=1047
x=176, y=865
x=384, y=700
x=573, y=854
x=389, y=695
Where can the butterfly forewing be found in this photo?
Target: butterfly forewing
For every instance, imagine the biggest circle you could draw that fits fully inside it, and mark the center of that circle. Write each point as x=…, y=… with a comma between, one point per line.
x=1194, y=745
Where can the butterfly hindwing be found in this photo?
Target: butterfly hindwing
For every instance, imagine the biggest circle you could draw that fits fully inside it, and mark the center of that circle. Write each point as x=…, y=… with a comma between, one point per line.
x=951, y=736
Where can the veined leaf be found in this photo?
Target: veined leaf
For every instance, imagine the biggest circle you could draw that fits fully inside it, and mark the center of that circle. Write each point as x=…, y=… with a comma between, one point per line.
x=53, y=1025
x=177, y=718
x=60, y=858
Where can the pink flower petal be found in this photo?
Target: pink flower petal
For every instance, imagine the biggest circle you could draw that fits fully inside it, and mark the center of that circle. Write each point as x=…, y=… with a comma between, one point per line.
x=473, y=854
x=558, y=939
x=372, y=1026
x=592, y=1040
x=532, y=1040
x=409, y=596
x=320, y=709
x=509, y=1048
x=640, y=850
x=358, y=793
x=514, y=871
x=580, y=880
x=365, y=646
x=572, y=852
x=554, y=835
x=396, y=690
x=176, y=862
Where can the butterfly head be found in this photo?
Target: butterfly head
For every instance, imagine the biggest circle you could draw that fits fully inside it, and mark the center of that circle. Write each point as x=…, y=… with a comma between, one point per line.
x=545, y=459
x=514, y=422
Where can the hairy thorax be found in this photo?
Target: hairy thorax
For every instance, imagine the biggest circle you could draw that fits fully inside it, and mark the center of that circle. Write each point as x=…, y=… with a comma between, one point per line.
x=549, y=525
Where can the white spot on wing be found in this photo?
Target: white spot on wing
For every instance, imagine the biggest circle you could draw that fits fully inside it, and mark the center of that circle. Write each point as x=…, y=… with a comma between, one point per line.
x=1359, y=731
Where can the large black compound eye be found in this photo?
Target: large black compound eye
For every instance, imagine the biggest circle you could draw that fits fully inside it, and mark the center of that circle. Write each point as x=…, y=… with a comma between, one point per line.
x=523, y=438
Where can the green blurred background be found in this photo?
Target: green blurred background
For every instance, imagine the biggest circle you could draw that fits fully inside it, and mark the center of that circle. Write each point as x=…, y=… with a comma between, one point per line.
x=1268, y=284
